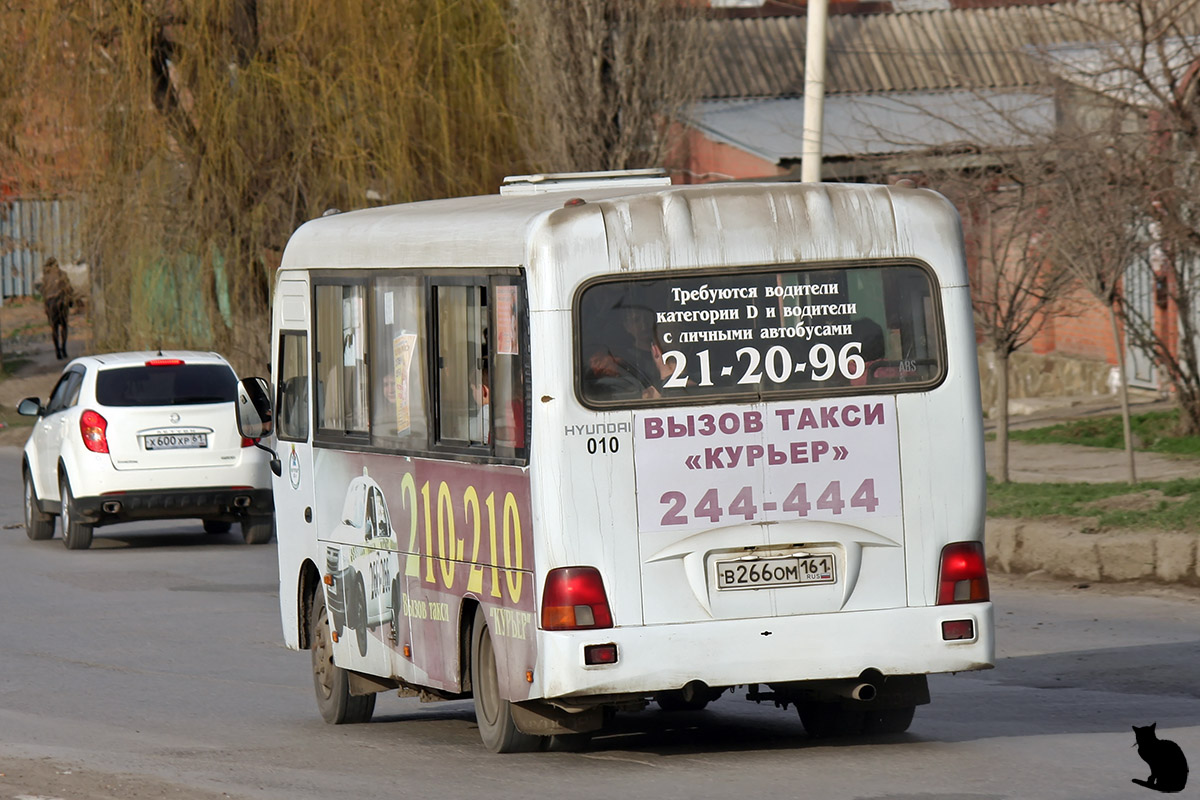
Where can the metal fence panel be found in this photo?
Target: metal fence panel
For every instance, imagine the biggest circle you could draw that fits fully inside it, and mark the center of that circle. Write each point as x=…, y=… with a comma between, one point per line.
x=31, y=230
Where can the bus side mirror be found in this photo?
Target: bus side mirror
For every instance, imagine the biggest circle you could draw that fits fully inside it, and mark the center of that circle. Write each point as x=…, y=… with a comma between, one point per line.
x=254, y=417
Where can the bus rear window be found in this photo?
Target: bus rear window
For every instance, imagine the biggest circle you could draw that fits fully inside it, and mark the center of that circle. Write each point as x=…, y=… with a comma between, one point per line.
x=757, y=334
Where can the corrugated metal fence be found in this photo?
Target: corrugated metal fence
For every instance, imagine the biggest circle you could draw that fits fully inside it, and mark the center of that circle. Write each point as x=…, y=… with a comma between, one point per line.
x=32, y=230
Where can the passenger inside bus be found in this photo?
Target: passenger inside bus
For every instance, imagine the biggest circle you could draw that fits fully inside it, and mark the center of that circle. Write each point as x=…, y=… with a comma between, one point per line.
x=627, y=361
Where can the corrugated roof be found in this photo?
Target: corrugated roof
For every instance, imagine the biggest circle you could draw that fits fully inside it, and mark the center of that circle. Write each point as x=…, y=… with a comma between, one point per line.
x=875, y=124
x=989, y=48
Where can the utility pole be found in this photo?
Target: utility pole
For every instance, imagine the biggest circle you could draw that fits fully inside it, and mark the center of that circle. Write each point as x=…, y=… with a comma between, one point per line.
x=814, y=90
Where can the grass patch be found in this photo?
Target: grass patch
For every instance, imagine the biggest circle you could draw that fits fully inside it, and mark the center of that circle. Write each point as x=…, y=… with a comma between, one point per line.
x=9, y=417
x=1154, y=505
x=1154, y=432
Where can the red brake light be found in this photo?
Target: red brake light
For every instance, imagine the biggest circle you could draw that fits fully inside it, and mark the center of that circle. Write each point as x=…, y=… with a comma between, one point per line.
x=164, y=362
x=94, y=429
x=963, y=574
x=574, y=599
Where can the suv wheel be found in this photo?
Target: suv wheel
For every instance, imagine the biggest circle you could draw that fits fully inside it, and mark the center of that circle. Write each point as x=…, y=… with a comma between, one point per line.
x=38, y=525
x=76, y=534
x=258, y=530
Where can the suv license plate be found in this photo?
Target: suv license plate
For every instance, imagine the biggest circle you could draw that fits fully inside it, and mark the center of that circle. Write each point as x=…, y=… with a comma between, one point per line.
x=176, y=441
x=772, y=573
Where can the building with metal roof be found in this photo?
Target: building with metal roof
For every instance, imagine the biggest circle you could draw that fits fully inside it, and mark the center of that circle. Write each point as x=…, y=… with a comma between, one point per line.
x=896, y=83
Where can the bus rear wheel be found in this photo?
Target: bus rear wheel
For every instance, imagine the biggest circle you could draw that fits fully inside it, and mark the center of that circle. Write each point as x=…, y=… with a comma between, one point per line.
x=332, y=685
x=493, y=713
x=888, y=721
x=823, y=720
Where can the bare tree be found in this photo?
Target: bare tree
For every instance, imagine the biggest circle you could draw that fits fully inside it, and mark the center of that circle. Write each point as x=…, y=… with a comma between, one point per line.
x=602, y=79
x=218, y=126
x=1015, y=288
x=1144, y=62
x=1094, y=231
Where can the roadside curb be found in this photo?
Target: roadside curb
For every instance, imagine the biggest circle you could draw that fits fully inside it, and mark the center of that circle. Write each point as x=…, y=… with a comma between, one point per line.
x=1059, y=548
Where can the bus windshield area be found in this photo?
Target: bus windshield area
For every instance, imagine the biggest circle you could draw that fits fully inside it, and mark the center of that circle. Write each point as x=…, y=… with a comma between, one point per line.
x=754, y=334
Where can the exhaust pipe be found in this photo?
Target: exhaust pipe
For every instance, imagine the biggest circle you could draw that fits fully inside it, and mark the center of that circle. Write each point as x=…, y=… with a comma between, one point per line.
x=111, y=507
x=241, y=501
x=865, y=692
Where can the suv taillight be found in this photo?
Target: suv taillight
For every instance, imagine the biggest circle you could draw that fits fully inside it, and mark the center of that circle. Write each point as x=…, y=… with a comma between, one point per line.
x=963, y=574
x=574, y=599
x=94, y=429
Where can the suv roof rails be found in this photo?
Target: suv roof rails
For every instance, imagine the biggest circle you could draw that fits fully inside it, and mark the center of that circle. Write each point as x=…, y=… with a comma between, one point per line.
x=572, y=181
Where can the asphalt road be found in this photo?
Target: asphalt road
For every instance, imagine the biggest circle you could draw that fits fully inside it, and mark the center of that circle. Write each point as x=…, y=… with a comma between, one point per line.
x=151, y=666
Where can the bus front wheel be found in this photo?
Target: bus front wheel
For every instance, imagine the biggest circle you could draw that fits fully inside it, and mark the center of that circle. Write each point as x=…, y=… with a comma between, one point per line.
x=493, y=713
x=332, y=685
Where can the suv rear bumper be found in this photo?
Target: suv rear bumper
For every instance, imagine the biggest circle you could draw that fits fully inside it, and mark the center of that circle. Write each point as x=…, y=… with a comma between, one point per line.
x=217, y=502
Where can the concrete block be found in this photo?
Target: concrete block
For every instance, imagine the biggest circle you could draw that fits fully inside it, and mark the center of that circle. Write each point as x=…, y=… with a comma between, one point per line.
x=1174, y=556
x=1000, y=542
x=1126, y=556
x=1058, y=550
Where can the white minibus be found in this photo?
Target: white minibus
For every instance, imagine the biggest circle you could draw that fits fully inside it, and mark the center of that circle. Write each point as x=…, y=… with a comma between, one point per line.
x=598, y=441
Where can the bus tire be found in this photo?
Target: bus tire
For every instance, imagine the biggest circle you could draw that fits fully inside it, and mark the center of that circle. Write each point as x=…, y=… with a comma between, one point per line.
x=492, y=712
x=360, y=613
x=258, y=530
x=888, y=720
x=570, y=742
x=76, y=535
x=332, y=685
x=675, y=701
x=38, y=524
x=217, y=526
x=826, y=720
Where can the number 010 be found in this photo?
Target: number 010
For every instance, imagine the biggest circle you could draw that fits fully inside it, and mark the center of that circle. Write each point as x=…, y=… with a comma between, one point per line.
x=603, y=445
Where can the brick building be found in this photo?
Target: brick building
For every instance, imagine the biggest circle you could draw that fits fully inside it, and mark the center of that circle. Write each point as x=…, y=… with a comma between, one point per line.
x=959, y=85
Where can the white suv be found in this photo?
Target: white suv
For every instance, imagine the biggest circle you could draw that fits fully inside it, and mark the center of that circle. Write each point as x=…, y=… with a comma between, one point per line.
x=150, y=435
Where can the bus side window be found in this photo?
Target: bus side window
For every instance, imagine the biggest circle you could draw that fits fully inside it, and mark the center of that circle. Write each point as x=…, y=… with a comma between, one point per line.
x=507, y=373
x=463, y=396
x=341, y=358
x=398, y=369
x=292, y=400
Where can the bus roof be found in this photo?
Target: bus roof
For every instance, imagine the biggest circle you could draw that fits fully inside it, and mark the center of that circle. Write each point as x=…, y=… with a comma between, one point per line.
x=727, y=223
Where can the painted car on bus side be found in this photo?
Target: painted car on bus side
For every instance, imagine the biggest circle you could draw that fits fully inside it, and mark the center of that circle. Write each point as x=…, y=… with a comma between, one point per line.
x=362, y=577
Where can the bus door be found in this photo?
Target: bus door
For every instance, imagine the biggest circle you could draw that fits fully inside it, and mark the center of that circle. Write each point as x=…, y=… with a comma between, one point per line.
x=295, y=489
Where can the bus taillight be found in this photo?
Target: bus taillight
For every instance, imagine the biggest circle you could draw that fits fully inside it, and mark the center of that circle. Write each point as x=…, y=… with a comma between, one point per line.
x=574, y=599
x=963, y=574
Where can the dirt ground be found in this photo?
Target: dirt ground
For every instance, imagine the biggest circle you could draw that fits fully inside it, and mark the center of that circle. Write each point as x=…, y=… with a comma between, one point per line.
x=28, y=353
x=53, y=779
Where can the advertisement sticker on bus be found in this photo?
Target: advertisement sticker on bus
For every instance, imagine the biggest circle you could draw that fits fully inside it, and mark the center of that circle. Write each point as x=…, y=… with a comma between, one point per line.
x=835, y=459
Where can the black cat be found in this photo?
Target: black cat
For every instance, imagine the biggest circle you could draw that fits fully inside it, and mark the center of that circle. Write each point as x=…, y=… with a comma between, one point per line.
x=1168, y=767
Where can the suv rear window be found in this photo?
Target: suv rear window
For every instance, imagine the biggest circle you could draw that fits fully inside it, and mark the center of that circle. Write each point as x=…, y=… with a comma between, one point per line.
x=166, y=385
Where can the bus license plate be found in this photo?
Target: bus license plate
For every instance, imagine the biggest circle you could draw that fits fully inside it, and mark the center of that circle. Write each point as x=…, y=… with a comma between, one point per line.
x=176, y=441
x=772, y=573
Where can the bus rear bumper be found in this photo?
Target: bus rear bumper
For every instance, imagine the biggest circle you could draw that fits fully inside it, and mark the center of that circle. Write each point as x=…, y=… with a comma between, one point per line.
x=654, y=658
